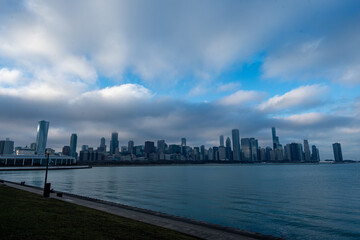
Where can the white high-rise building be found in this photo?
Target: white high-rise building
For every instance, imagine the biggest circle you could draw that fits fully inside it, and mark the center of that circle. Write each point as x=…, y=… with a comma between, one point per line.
x=41, y=138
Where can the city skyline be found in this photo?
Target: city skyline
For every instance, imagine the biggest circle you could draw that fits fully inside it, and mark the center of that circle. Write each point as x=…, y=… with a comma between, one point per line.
x=137, y=70
x=239, y=149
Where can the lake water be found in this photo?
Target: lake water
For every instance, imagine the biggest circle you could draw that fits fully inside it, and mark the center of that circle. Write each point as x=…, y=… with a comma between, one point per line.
x=290, y=201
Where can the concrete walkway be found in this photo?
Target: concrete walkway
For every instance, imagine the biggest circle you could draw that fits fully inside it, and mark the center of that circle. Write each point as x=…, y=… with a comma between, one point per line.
x=183, y=225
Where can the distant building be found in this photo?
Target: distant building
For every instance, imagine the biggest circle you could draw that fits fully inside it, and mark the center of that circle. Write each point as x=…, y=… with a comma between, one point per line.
x=161, y=146
x=296, y=153
x=236, y=144
x=66, y=151
x=149, y=147
x=24, y=151
x=210, y=154
x=337, y=152
x=84, y=147
x=35, y=160
x=315, y=156
x=221, y=141
x=249, y=148
x=228, y=149
x=183, y=142
x=73, y=145
x=174, y=149
x=114, y=143
x=41, y=138
x=33, y=146
x=307, y=151
x=6, y=147
x=276, y=142
x=222, y=153
x=131, y=146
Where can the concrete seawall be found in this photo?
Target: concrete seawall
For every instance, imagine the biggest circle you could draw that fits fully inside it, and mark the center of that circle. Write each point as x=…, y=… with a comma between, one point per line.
x=43, y=168
x=192, y=227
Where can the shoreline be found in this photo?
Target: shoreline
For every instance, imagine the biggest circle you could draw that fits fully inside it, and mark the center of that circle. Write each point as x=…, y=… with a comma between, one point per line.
x=28, y=168
x=189, y=226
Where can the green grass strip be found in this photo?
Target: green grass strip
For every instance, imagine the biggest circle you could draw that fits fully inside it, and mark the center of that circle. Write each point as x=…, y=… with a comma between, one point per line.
x=24, y=215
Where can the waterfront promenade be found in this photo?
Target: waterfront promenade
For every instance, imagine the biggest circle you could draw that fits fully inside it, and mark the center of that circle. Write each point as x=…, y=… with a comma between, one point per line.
x=187, y=226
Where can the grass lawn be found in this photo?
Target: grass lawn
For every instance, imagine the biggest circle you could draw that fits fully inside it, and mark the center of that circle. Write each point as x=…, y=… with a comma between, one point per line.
x=25, y=215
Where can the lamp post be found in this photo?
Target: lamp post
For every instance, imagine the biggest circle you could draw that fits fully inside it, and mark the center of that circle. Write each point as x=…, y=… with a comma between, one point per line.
x=47, y=185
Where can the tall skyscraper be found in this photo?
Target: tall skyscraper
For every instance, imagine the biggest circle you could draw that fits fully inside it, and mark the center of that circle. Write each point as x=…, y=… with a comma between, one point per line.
x=249, y=148
x=221, y=141
x=337, y=152
x=73, y=144
x=236, y=144
x=102, y=146
x=296, y=152
x=246, y=149
x=161, y=146
x=114, y=142
x=276, y=143
x=183, y=142
x=41, y=138
x=315, y=156
x=131, y=146
x=228, y=149
x=149, y=147
x=306, y=151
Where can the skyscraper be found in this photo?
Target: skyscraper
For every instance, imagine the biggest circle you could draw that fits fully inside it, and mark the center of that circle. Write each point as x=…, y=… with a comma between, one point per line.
x=249, y=148
x=236, y=144
x=131, y=146
x=315, y=156
x=6, y=147
x=183, y=142
x=228, y=149
x=66, y=150
x=73, y=144
x=41, y=138
x=306, y=151
x=102, y=147
x=296, y=152
x=149, y=147
x=161, y=146
x=114, y=142
x=246, y=149
x=337, y=152
x=221, y=141
x=276, y=143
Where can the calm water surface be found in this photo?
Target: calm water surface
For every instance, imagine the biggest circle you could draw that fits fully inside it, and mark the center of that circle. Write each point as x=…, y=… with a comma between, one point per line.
x=291, y=201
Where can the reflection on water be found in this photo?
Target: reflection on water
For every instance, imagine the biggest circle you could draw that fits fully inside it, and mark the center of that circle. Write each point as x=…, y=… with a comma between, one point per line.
x=292, y=201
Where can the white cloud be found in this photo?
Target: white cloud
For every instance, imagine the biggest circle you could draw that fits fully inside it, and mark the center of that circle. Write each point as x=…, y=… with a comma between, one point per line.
x=116, y=95
x=240, y=97
x=229, y=87
x=302, y=97
x=305, y=118
x=9, y=77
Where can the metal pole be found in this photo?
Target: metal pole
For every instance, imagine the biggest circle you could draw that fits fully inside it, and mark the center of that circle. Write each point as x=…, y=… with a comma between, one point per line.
x=46, y=173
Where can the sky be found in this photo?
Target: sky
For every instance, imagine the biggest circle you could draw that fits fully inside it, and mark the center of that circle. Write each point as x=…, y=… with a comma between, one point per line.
x=166, y=69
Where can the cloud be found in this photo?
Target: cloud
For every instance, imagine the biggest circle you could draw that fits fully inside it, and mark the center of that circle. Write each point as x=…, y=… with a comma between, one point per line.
x=228, y=87
x=242, y=97
x=155, y=41
x=302, y=97
x=56, y=55
x=9, y=77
